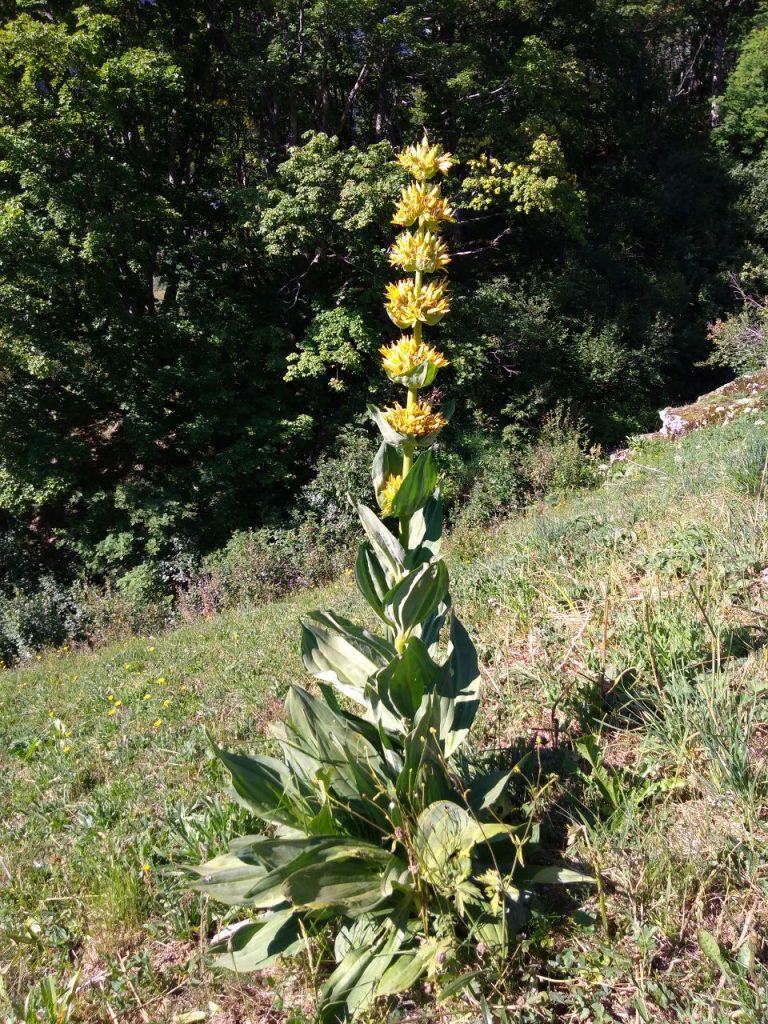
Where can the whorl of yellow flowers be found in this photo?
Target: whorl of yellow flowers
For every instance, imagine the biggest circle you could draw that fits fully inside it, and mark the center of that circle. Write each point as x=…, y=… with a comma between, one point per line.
x=411, y=303
x=422, y=204
x=424, y=161
x=420, y=250
x=406, y=354
x=417, y=420
x=389, y=493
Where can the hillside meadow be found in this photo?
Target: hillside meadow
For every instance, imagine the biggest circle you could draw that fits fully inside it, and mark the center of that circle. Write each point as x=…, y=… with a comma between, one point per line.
x=621, y=632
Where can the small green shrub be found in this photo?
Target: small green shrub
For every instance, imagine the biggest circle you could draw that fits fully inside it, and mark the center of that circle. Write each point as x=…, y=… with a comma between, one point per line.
x=560, y=459
x=342, y=479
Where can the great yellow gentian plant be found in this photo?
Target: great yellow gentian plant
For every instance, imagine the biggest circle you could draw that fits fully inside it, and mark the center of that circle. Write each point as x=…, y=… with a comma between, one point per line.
x=381, y=833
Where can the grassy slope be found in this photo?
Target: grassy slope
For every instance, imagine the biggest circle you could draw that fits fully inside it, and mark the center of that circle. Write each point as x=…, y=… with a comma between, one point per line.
x=635, y=611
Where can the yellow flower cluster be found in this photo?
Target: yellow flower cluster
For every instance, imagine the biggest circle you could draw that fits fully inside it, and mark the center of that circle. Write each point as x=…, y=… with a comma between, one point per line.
x=389, y=493
x=406, y=354
x=422, y=204
x=424, y=161
x=418, y=421
x=408, y=304
x=422, y=251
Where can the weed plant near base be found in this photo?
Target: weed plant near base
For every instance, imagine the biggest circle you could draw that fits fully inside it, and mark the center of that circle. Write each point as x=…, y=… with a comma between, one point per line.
x=561, y=616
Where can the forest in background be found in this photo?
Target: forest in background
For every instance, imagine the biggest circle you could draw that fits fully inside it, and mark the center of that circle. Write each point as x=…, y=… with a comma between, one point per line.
x=194, y=217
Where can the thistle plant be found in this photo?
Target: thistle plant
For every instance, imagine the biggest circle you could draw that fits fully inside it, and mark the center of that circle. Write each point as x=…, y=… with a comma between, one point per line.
x=382, y=837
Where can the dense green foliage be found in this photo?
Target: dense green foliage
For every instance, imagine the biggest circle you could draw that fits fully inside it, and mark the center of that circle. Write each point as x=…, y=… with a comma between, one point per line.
x=194, y=201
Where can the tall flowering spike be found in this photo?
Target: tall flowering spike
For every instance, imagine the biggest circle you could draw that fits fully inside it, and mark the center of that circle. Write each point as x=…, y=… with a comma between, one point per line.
x=362, y=799
x=412, y=303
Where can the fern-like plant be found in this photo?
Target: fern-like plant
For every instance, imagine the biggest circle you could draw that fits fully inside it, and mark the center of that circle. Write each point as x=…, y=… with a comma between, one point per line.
x=379, y=832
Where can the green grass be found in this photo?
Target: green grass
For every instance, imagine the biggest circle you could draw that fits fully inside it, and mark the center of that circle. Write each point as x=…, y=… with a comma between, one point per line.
x=635, y=612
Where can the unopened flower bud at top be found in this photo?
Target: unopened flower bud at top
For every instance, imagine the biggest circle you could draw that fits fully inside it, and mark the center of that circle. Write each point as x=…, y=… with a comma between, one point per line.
x=424, y=161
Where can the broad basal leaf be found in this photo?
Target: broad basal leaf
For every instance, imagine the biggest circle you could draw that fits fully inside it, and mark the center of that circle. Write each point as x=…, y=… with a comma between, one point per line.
x=257, y=945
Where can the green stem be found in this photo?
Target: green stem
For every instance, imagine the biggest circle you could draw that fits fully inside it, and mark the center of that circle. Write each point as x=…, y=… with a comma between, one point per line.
x=413, y=397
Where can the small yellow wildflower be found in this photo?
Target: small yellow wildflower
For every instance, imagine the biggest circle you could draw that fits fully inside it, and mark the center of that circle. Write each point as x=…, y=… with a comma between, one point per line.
x=160, y=680
x=418, y=421
x=118, y=703
x=424, y=161
x=145, y=869
x=389, y=493
x=110, y=696
x=147, y=696
x=166, y=703
x=406, y=354
x=407, y=304
x=66, y=750
x=422, y=204
x=157, y=723
x=184, y=689
x=150, y=650
x=111, y=712
x=420, y=250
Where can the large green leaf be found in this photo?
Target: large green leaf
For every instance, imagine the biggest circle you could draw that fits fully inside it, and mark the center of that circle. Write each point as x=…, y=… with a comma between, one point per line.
x=257, y=945
x=350, y=884
x=252, y=873
x=425, y=532
x=386, y=546
x=403, y=683
x=486, y=790
x=370, y=578
x=417, y=596
x=459, y=689
x=409, y=966
x=351, y=988
x=268, y=787
x=338, y=651
x=442, y=844
x=231, y=879
x=351, y=764
x=417, y=487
